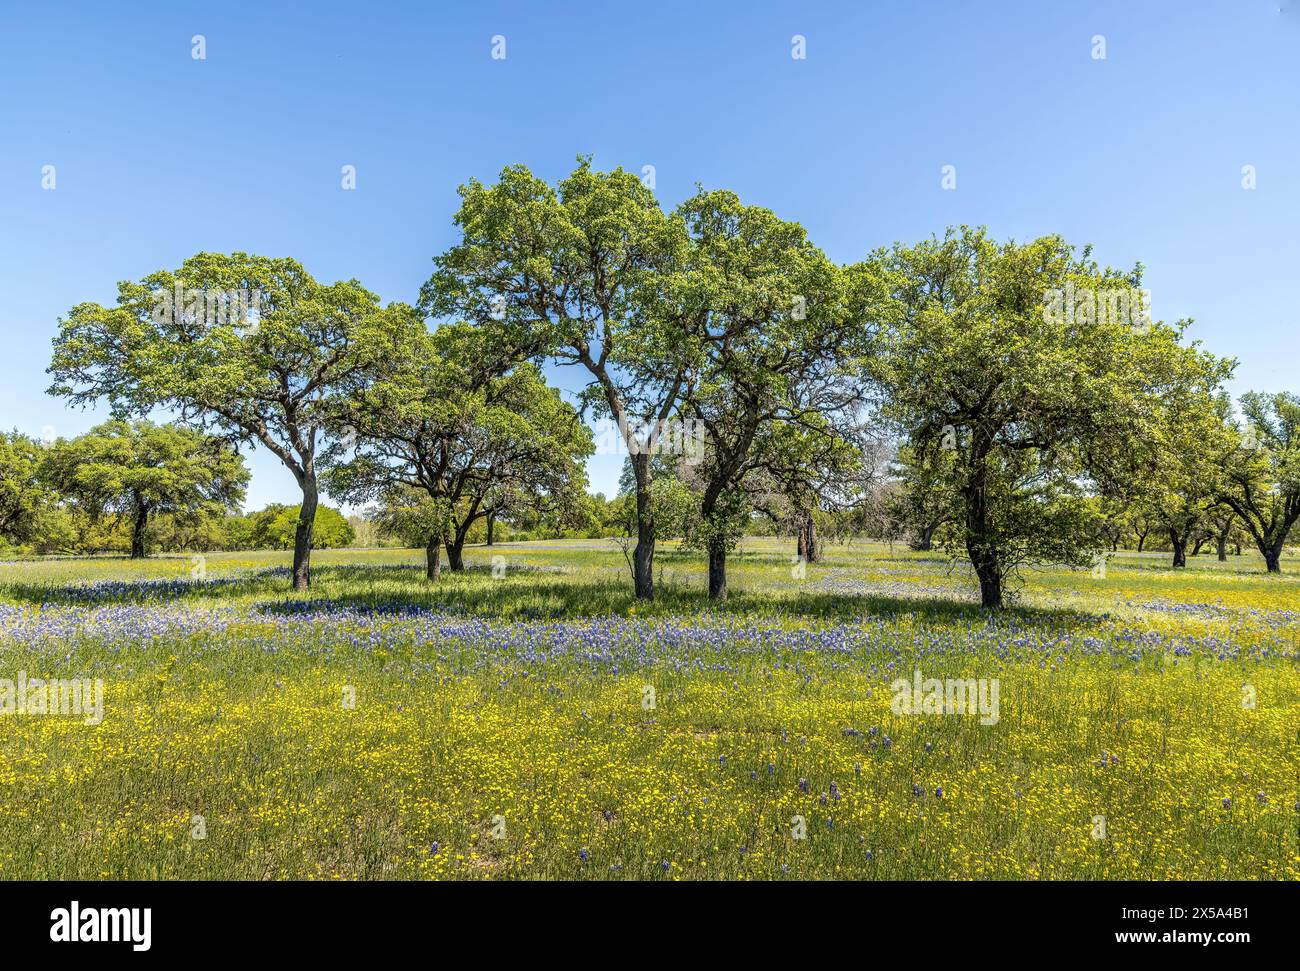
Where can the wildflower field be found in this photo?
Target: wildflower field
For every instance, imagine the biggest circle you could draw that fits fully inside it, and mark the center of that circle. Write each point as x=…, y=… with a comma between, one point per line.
x=535, y=722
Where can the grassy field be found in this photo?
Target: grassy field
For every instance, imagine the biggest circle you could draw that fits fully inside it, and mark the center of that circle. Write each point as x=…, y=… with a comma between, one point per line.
x=532, y=721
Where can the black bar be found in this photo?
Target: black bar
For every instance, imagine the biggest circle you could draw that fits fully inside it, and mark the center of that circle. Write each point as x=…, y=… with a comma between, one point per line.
x=940, y=921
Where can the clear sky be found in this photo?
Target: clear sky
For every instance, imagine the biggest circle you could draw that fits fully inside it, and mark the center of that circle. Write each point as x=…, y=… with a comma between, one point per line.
x=158, y=155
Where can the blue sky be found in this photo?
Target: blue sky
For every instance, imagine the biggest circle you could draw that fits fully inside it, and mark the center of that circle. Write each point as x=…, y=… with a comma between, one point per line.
x=158, y=155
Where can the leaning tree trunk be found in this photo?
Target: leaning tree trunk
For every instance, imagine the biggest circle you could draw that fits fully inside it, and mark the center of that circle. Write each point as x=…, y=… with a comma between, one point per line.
x=137, y=531
x=433, y=558
x=302, y=536
x=643, y=557
x=491, y=524
x=456, y=552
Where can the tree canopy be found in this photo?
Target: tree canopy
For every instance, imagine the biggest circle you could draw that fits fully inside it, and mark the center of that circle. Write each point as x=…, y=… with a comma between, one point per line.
x=594, y=273
x=449, y=433
x=1261, y=483
x=141, y=469
x=977, y=354
x=1011, y=402
x=22, y=498
x=252, y=347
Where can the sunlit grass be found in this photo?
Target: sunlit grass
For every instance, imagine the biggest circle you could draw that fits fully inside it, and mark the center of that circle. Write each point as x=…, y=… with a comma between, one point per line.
x=523, y=698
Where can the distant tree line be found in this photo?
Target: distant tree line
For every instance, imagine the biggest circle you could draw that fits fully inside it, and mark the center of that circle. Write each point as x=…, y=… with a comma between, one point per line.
x=137, y=488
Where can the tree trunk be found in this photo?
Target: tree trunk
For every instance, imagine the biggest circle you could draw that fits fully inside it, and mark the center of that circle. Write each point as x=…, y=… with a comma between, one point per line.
x=433, y=558
x=137, y=531
x=1273, y=558
x=925, y=540
x=302, y=536
x=718, y=574
x=455, y=553
x=809, y=550
x=1180, y=549
x=643, y=557
x=1200, y=542
x=491, y=525
x=990, y=578
x=1221, y=545
x=979, y=532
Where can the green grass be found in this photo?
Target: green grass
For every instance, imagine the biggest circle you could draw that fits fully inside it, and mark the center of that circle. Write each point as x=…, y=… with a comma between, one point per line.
x=501, y=727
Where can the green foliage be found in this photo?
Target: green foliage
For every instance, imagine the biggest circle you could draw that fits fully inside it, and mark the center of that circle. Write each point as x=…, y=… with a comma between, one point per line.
x=773, y=376
x=274, y=527
x=924, y=504
x=590, y=270
x=250, y=345
x=1261, y=481
x=1174, y=475
x=674, y=509
x=332, y=530
x=23, y=499
x=594, y=273
x=453, y=431
x=271, y=376
x=412, y=516
x=139, y=470
x=1036, y=407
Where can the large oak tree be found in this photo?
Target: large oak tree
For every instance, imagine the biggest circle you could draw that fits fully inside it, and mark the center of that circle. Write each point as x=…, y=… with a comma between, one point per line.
x=594, y=272
x=776, y=358
x=1035, y=405
x=272, y=375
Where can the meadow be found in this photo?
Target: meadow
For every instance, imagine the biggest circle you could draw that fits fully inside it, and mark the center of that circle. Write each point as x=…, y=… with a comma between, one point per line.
x=531, y=720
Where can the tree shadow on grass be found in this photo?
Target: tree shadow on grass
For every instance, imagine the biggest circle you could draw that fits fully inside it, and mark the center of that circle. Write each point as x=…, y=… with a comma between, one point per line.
x=144, y=590
x=267, y=581
x=1199, y=566
x=547, y=595
x=526, y=592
